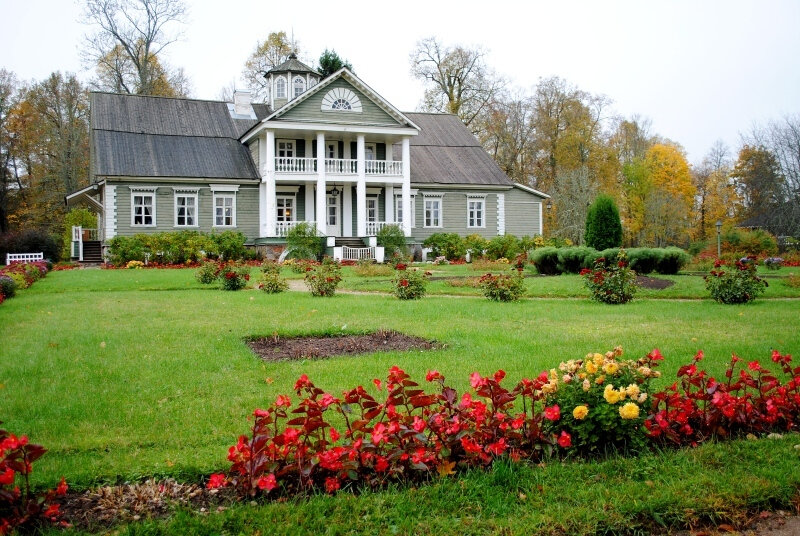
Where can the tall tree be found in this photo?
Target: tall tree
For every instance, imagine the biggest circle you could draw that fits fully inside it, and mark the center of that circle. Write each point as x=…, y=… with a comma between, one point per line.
x=457, y=79
x=9, y=178
x=573, y=193
x=758, y=178
x=716, y=199
x=330, y=62
x=603, y=226
x=669, y=201
x=130, y=38
x=507, y=135
x=269, y=53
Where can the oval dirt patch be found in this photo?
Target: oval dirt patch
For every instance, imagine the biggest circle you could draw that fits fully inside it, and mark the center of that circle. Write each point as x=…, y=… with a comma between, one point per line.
x=653, y=282
x=276, y=348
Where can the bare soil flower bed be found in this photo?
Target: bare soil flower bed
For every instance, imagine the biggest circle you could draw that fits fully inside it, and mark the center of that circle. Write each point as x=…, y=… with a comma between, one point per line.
x=277, y=348
x=653, y=282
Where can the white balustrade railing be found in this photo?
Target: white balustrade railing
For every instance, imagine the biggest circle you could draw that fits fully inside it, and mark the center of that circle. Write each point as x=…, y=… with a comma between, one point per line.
x=282, y=228
x=374, y=226
x=383, y=167
x=357, y=254
x=295, y=165
x=345, y=166
x=81, y=235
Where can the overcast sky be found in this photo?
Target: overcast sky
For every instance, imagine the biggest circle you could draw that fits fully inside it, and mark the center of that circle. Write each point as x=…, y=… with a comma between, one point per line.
x=700, y=70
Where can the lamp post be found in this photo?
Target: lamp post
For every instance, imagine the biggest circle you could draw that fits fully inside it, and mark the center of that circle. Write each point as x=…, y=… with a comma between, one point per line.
x=719, y=247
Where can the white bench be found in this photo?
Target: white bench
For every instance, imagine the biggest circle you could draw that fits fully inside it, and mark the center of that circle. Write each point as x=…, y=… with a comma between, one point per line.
x=23, y=257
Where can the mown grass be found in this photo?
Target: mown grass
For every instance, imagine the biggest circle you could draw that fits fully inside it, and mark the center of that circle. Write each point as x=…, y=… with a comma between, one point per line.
x=150, y=377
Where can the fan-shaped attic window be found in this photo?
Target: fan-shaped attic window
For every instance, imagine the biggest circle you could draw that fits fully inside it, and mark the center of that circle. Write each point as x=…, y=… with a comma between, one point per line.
x=341, y=100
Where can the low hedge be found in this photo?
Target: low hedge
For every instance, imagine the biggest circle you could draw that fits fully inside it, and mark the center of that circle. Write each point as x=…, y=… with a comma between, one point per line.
x=177, y=247
x=571, y=260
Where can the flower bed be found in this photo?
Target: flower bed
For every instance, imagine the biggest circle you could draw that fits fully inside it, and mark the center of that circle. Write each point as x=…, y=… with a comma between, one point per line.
x=412, y=433
x=17, y=276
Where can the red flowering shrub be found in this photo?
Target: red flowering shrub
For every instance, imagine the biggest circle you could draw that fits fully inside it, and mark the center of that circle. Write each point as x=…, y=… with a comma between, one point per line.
x=503, y=287
x=614, y=283
x=19, y=275
x=409, y=284
x=751, y=399
x=740, y=285
x=21, y=508
x=409, y=434
x=322, y=279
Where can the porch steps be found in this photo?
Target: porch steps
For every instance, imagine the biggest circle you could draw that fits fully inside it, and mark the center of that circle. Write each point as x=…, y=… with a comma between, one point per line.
x=351, y=242
x=92, y=252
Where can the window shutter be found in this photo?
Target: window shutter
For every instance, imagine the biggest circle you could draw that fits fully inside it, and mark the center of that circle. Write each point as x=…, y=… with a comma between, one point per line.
x=341, y=149
x=301, y=148
x=380, y=150
x=313, y=148
x=353, y=150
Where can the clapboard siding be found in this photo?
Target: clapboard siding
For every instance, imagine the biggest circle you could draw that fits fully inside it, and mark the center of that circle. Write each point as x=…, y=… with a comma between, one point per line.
x=309, y=110
x=246, y=210
x=522, y=213
x=454, y=215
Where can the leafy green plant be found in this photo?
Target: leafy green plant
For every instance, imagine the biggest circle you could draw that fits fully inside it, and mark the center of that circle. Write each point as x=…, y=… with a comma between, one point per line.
x=503, y=287
x=8, y=286
x=503, y=247
x=737, y=285
x=271, y=282
x=392, y=238
x=76, y=217
x=234, y=276
x=672, y=261
x=447, y=245
x=545, y=259
x=303, y=241
x=644, y=260
x=323, y=279
x=574, y=259
x=613, y=283
x=208, y=272
x=229, y=245
x=603, y=226
x=476, y=245
x=756, y=242
x=409, y=284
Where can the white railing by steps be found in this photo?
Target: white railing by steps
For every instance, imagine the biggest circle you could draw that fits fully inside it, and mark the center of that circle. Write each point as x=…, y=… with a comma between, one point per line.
x=357, y=254
x=383, y=167
x=343, y=166
x=282, y=228
x=295, y=165
x=81, y=235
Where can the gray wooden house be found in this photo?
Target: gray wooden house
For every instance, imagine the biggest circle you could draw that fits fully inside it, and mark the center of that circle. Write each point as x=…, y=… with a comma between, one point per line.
x=328, y=151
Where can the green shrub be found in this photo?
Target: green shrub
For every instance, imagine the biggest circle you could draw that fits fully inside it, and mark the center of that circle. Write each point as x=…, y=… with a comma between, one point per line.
x=323, y=279
x=369, y=268
x=447, y=245
x=645, y=260
x=122, y=249
x=740, y=284
x=270, y=267
x=672, y=261
x=603, y=226
x=234, y=276
x=303, y=241
x=476, y=245
x=271, y=282
x=30, y=241
x=696, y=247
x=229, y=245
x=8, y=286
x=20, y=281
x=545, y=260
x=76, y=217
x=409, y=284
x=503, y=287
x=207, y=273
x=608, y=256
x=392, y=238
x=503, y=247
x=611, y=282
x=573, y=260
x=755, y=242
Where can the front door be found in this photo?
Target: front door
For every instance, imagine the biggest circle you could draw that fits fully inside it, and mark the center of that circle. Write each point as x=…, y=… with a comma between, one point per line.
x=333, y=216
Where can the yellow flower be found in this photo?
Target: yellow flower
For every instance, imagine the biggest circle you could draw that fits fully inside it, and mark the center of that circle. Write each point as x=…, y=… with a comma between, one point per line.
x=591, y=368
x=644, y=371
x=632, y=390
x=599, y=380
x=580, y=412
x=610, y=368
x=610, y=394
x=629, y=411
x=598, y=359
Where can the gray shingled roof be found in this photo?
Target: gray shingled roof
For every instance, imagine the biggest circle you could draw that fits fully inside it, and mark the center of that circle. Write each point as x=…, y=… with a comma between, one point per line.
x=145, y=136
x=446, y=152
x=294, y=65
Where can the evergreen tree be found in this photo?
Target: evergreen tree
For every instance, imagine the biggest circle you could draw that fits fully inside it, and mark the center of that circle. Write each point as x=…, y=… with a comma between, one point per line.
x=330, y=62
x=603, y=226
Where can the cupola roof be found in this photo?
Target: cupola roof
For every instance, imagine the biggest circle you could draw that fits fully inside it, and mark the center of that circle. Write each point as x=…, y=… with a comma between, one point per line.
x=294, y=65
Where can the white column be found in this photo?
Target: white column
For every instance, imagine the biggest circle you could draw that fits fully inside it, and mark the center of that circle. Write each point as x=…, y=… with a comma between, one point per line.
x=361, y=188
x=407, y=186
x=389, y=200
x=268, y=181
x=389, y=148
x=347, y=210
x=309, y=186
x=321, y=212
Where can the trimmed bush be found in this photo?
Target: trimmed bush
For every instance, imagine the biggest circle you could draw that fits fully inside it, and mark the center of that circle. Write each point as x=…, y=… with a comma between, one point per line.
x=573, y=260
x=303, y=241
x=603, y=226
x=229, y=245
x=546, y=260
x=672, y=261
x=8, y=286
x=503, y=247
x=392, y=238
x=447, y=245
x=645, y=260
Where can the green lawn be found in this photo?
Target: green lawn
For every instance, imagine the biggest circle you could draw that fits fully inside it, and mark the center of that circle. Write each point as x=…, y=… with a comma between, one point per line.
x=129, y=373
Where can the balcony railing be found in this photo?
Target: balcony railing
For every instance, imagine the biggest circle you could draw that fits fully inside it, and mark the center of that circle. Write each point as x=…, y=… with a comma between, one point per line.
x=340, y=166
x=373, y=227
x=384, y=167
x=295, y=165
x=282, y=228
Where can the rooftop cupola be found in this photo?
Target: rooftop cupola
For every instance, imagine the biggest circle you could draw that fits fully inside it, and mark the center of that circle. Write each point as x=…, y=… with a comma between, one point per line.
x=289, y=80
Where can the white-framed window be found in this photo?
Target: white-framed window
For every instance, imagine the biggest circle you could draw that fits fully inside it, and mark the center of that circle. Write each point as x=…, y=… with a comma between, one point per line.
x=476, y=212
x=285, y=207
x=143, y=208
x=369, y=151
x=186, y=209
x=333, y=210
x=312, y=81
x=433, y=212
x=332, y=149
x=399, y=212
x=372, y=209
x=341, y=99
x=280, y=88
x=224, y=209
x=299, y=86
x=285, y=148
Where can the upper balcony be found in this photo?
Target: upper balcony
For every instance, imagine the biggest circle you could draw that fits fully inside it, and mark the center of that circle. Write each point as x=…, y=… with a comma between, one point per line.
x=338, y=166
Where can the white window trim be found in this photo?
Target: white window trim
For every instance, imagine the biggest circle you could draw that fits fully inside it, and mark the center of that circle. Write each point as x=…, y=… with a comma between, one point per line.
x=187, y=193
x=482, y=200
x=303, y=90
x=220, y=194
x=288, y=143
x=285, y=86
x=374, y=147
x=438, y=197
x=143, y=190
x=341, y=93
x=335, y=144
x=293, y=197
x=398, y=204
x=377, y=208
